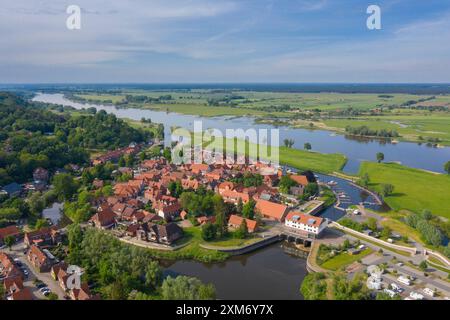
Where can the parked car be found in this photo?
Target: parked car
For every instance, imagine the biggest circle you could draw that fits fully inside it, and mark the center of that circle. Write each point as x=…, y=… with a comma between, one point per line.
x=416, y=296
x=41, y=285
x=397, y=288
x=44, y=289
x=391, y=293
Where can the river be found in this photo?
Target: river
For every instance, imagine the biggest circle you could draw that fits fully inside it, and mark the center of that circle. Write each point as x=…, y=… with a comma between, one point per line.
x=269, y=273
x=356, y=149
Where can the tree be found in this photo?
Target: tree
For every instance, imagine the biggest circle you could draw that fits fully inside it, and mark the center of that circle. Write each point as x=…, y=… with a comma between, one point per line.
x=239, y=206
x=248, y=210
x=427, y=215
x=65, y=186
x=364, y=180
x=346, y=244
x=186, y=288
x=314, y=286
x=208, y=231
x=307, y=146
x=41, y=223
x=386, y=232
x=221, y=221
x=286, y=183
x=423, y=265
x=52, y=296
x=311, y=190
x=387, y=189
x=288, y=143
x=242, y=231
x=9, y=241
x=354, y=289
x=447, y=167
x=2, y=292
x=372, y=224
x=385, y=296
x=380, y=156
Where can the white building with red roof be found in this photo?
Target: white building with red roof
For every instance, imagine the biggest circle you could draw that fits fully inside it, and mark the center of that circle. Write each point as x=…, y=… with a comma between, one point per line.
x=311, y=225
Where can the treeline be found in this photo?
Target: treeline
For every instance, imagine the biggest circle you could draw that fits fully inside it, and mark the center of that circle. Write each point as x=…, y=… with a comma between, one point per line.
x=99, y=131
x=119, y=272
x=365, y=131
x=434, y=231
x=146, y=99
x=276, y=108
x=227, y=100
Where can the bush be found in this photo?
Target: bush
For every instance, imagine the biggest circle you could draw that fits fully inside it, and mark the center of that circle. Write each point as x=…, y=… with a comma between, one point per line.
x=208, y=231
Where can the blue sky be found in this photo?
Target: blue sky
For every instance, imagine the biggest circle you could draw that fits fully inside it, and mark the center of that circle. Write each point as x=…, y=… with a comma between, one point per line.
x=156, y=41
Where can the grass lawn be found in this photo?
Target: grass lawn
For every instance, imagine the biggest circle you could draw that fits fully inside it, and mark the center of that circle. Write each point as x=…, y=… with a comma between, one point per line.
x=309, y=160
x=230, y=241
x=296, y=158
x=415, y=190
x=436, y=263
x=403, y=229
x=344, y=259
x=192, y=250
x=403, y=253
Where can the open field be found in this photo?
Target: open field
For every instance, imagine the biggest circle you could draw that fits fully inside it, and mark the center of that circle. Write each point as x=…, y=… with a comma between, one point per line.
x=415, y=127
x=261, y=100
x=415, y=190
x=296, y=158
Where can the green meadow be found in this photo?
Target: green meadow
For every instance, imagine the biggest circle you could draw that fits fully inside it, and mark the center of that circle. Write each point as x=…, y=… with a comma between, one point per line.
x=415, y=190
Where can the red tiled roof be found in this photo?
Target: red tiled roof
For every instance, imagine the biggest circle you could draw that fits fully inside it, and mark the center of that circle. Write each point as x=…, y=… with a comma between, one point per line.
x=41, y=257
x=302, y=180
x=104, y=217
x=304, y=219
x=24, y=294
x=9, y=231
x=237, y=221
x=271, y=209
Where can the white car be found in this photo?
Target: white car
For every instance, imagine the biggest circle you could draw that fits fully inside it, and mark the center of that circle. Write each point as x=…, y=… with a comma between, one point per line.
x=391, y=293
x=44, y=289
x=397, y=288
